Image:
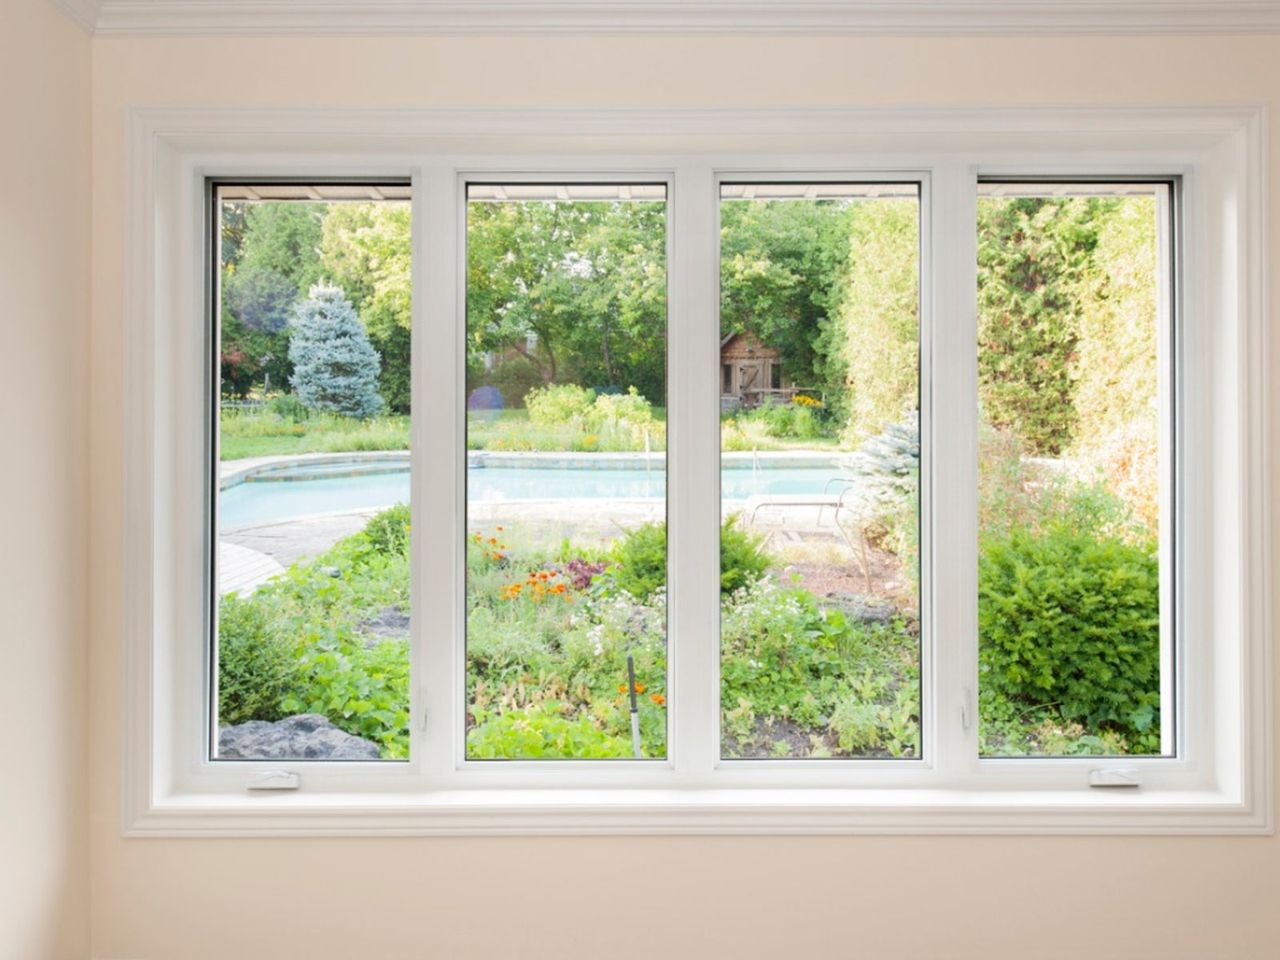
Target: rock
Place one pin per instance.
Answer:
(864, 608)
(307, 736)
(391, 622)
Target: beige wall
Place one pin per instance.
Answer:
(44, 329)
(635, 897)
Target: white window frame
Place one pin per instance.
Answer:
(1220, 781)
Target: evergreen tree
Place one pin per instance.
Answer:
(335, 368)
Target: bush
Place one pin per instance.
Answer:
(559, 403)
(256, 668)
(612, 409)
(287, 406)
(802, 419)
(335, 368)
(1071, 622)
(388, 531)
(640, 558)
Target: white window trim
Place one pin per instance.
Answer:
(1220, 783)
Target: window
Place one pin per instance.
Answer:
(311, 314)
(697, 491)
(819, 548)
(566, 568)
(1075, 389)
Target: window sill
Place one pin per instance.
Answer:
(726, 811)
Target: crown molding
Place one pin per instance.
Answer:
(84, 13)
(729, 17)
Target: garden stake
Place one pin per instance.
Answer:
(635, 714)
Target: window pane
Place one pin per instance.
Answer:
(820, 454)
(312, 314)
(1073, 341)
(566, 471)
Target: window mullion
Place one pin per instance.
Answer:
(693, 471)
(949, 447)
(437, 511)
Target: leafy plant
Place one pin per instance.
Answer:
(388, 531)
(1069, 624)
(640, 558)
(541, 730)
(256, 666)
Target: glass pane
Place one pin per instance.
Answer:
(566, 471)
(312, 314)
(1073, 354)
(820, 462)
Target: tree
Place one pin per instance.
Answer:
(270, 257)
(1034, 256)
(367, 249)
(783, 269)
(873, 346)
(576, 289)
(335, 367)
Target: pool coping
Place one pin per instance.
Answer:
(232, 473)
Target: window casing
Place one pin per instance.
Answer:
(1214, 783)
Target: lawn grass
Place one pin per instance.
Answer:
(264, 434)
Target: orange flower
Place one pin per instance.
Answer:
(499, 529)
(493, 541)
(658, 698)
(622, 688)
(639, 687)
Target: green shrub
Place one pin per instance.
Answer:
(1070, 621)
(640, 558)
(256, 668)
(362, 690)
(541, 730)
(288, 406)
(612, 409)
(388, 531)
(557, 404)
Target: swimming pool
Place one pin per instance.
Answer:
(255, 502)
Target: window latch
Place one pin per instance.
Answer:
(275, 780)
(1115, 777)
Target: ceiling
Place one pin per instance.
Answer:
(771, 17)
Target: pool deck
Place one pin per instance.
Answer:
(242, 570)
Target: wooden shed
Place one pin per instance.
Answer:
(750, 371)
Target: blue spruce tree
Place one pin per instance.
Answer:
(334, 366)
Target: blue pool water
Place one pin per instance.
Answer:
(264, 502)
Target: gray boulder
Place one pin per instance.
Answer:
(307, 736)
(864, 608)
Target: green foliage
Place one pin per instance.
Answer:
(639, 558)
(1069, 626)
(799, 419)
(362, 689)
(801, 678)
(298, 644)
(287, 406)
(245, 433)
(256, 667)
(871, 347)
(578, 289)
(1034, 256)
(334, 367)
(542, 731)
(558, 403)
(782, 277)
(367, 250)
(388, 531)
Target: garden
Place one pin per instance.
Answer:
(820, 627)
